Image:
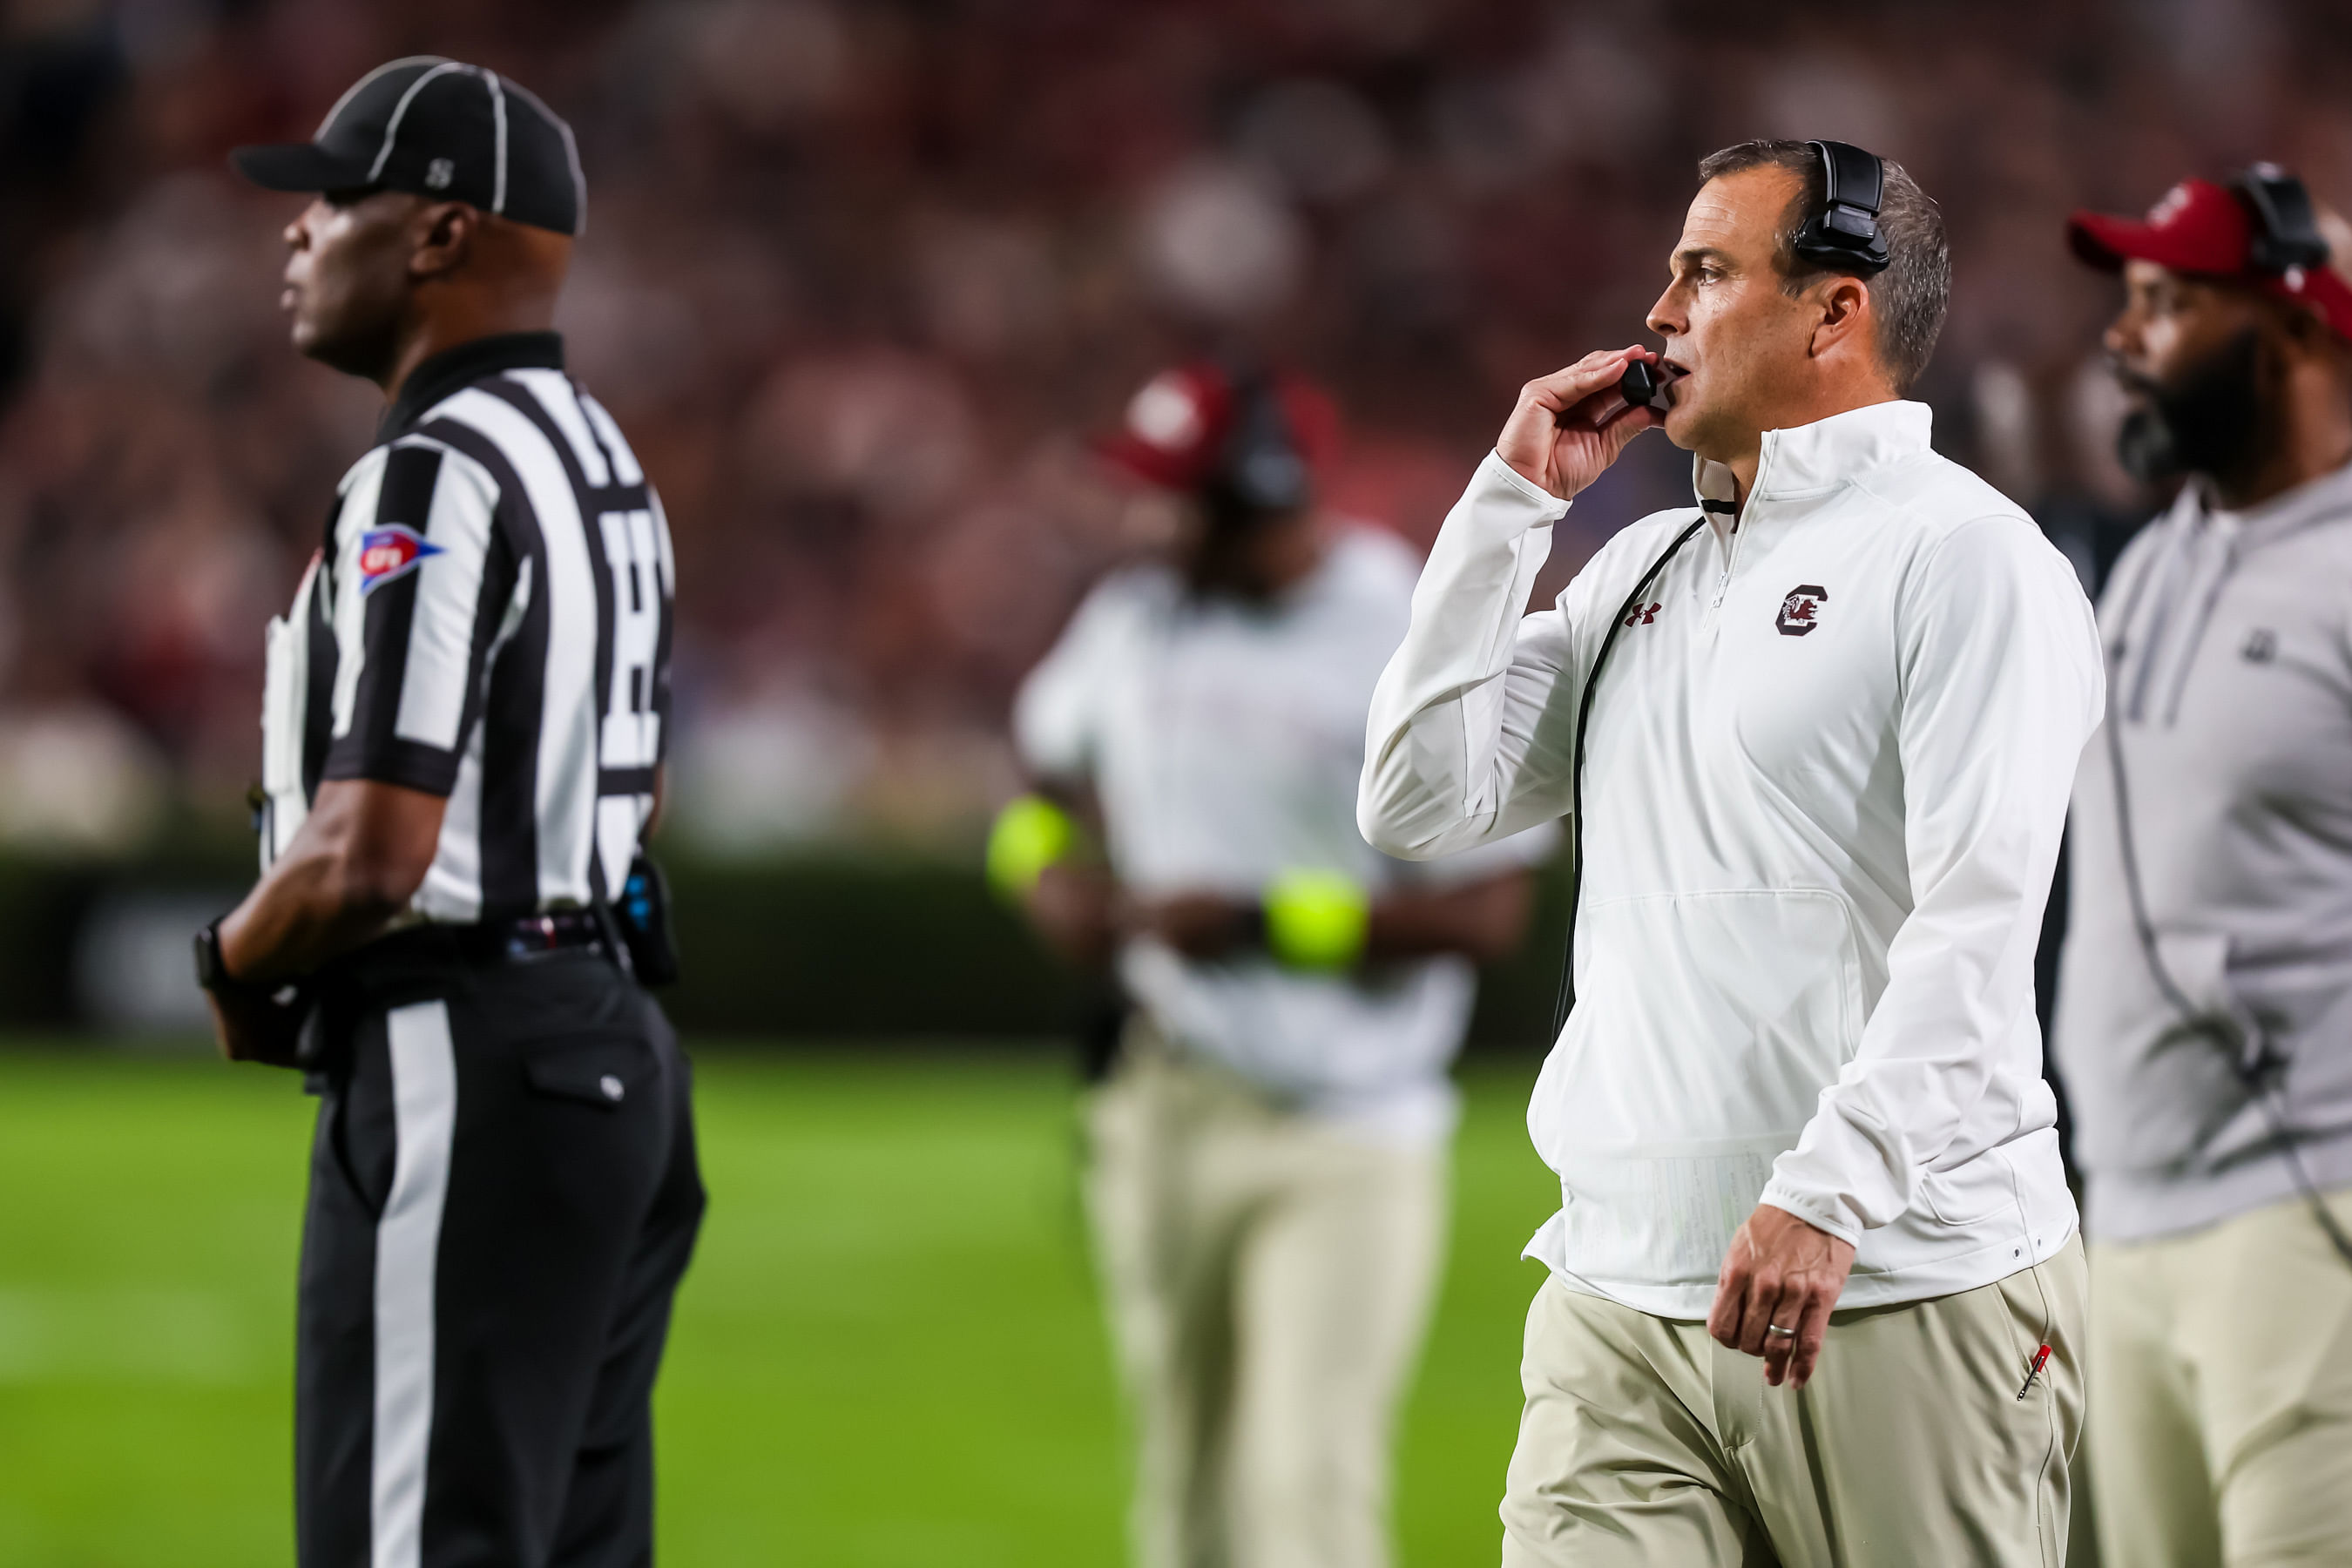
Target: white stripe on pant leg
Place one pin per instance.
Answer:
(407, 1245)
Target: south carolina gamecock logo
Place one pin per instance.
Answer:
(1800, 612)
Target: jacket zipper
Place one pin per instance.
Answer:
(1740, 522)
(2197, 629)
(1730, 565)
(2183, 607)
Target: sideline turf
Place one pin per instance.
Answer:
(887, 1355)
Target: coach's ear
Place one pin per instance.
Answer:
(445, 238)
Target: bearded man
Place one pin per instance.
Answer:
(2204, 1018)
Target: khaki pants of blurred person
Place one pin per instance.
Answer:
(1268, 1280)
(1644, 1444)
(2221, 1394)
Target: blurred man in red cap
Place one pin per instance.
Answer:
(1268, 1150)
(2204, 1022)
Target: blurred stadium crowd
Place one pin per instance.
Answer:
(860, 276)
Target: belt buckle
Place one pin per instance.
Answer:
(531, 937)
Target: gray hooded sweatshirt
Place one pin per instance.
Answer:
(2229, 637)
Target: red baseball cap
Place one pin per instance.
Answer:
(2203, 229)
(1180, 426)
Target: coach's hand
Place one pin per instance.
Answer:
(1779, 1272)
(1571, 424)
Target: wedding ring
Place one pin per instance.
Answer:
(1777, 1329)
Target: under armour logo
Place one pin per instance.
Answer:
(1800, 612)
(2262, 645)
(440, 173)
(1641, 617)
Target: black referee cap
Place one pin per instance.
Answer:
(438, 128)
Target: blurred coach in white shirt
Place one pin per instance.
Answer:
(1269, 1180)
(1824, 770)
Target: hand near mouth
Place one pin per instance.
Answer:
(1570, 426)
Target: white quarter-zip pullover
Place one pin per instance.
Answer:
(1826, 771)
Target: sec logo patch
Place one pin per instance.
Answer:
(389, 553)
(1801, 611)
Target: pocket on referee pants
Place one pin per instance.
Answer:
(609, 1073)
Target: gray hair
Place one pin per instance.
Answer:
(1910, 298)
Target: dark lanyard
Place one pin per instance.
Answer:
(1576, 772)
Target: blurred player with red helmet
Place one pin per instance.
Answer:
(1268, 1171)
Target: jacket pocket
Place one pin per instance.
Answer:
(1706, 1027)
(1973, 1192)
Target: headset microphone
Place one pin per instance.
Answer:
(1639, 383)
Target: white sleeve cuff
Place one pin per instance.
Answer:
(1549, 507)
(1809, 1208)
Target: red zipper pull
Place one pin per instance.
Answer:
(2041, 1360)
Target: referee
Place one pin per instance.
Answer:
(463, 733)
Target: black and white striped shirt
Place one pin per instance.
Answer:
(488, 620)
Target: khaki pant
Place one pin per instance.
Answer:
(2221, 1394)
(1645, 1444)
(1268, 1280)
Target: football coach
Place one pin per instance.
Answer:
(2204, 1020)
(1815, 737)
(463, 732)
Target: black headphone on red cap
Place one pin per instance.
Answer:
(1261, 467)
(2286, 231)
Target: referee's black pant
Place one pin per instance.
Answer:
(503, 1198)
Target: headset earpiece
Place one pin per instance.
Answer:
(1843, 235)
(2286, 231)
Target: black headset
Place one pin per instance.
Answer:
(2286, 232)
(1261, 468)
(1843, 235)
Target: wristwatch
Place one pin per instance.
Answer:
(212, 972)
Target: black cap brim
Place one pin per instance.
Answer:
(298, 166)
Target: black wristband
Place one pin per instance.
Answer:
(212, 969)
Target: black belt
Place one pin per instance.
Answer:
(415, 964)
(517, 940)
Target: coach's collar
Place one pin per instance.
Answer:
(452, 370)
(1811, 460)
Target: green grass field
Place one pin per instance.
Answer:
(888, 1351)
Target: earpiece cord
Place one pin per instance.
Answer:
(1567, 995)
(2259, 1072)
